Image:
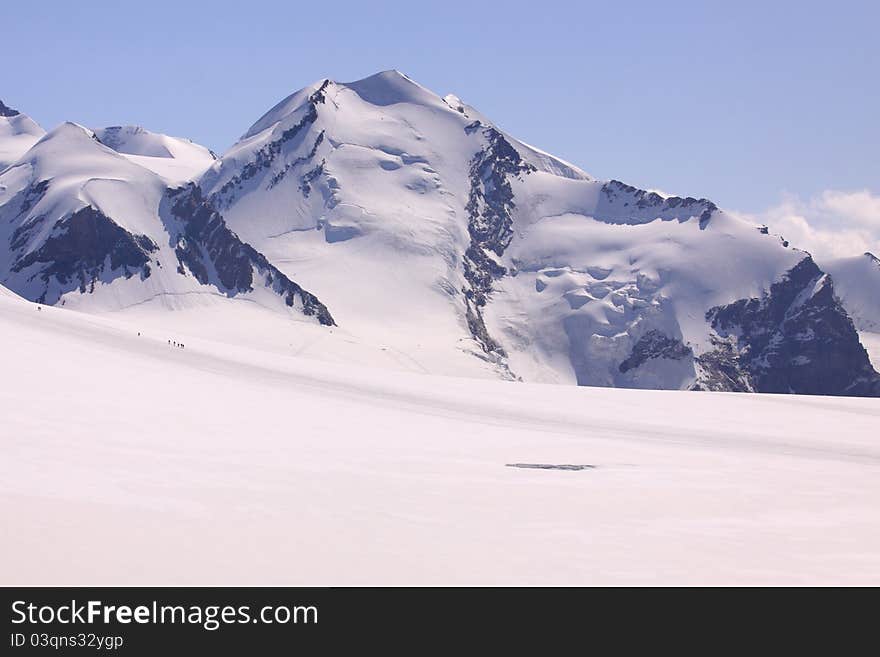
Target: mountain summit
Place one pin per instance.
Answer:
(18, 133)
(449, 246)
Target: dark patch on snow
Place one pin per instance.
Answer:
(654, 344)
(797, 338)
(551, 466)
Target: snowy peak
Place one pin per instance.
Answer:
(381, 90)
(392, 88)
(857, 283)
(435, 236)
(286, 107)
(68, 135)
(390, 198)
(175, 159)
(135, 140)
(18, 133)
(782, 342)
(86, 226)
(84, 170)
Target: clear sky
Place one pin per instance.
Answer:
(742, 102)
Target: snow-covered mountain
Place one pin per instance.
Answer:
(85, 226)
(18, 133)
(433, 235)
(175, 159)
(414, 215)
(857, 283)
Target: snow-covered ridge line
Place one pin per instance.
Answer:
(444, 243)
(18, 133)
(85, 224)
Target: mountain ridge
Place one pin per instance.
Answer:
(428, 230)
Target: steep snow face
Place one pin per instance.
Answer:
(83, 226)
(17, 134)
(439, 241)
(177, 160)
(359, 190)
(427, 227)
(857, 283)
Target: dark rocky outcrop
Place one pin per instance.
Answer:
(654, 344)
(210, 251)
(7, 111)
(309, 177)
(490, 225)
(622, 203)
(83, 248)
(26, 199)
(278, 177)
(264, 157)
(721, 369)
(795, 339)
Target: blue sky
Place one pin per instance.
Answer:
(750, 104)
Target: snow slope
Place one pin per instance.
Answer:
(428, 228)
(129, 461)
(85, 226)
(378, 228)
(857, 281)
(177, 160)
(18, 133)
(438, 242)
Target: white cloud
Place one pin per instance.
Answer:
(831, 224)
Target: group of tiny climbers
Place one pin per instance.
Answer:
(173, 343)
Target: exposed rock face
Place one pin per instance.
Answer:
(266, 155)
(622, 203)
(27, 198)
(309, 177)
(7, 111)
(796, 339)
(278, 177)
(654, 344)
(85, 247)
(205, 245)
(490, 225)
